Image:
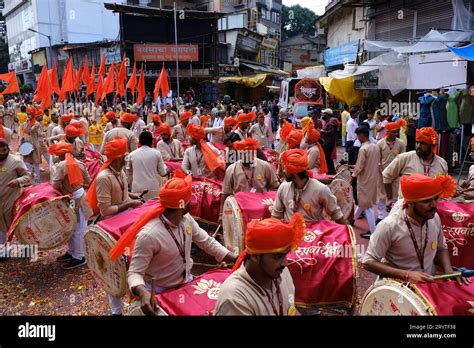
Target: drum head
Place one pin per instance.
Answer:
(48, 224)
(110, 275)
(345, 199)
(233, 225)
(390, 297)
(26, 148)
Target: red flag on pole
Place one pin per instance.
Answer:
(157, 88)
(44, 90)
(67, 82)
(53, 77)
(99, 91)
(132, 81)
(12, 87)
(91, 86)
(164, 86)
(78, 80)
(102, 68)
(85, 73)
(122, 75)
(141, 87)
(108, 86)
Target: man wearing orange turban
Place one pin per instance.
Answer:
(408, 241)
(123, 131)
(302, 194)
(249, 173)
(170, 117)
(261, 283)
(423, 161)
(201, 159)
(72, 133)
(316, 156)
(59, 131)
(218, 134)
(160, 241)
(390, 147)
(112, 121)
(243, 124)
(171, 149)
(70, 177)
(179, 131)
(33, 133)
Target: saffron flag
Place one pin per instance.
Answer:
(108, 86)
(164, 86)
(12, 87)
(132, 81)
(67, 84)
(85, 73)
(102, 67)
(141, 87)
(91, 86)
(53, 77)
(122, 75)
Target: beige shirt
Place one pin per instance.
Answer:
(241, 295)
(156, 255)
(314, 158)
(367, 173)
(59, 179)
(123, 133)
(170, 151)
(12, 168)
(8, 134)
(196, 120)
(193, 161)
(34, 136)
(171, 118)
(262, 134)
(387, 155)
(310, 202)
(144, 168)
(217, 134)
(179, 132)
(258, 178)
(109, 126)
(49, 133)
(408, 163)
(112, 188)
(392, 244)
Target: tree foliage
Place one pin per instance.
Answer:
(296, 20)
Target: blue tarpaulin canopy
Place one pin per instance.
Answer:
(466, 52)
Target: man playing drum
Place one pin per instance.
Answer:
(409, 243)
(171, 149)
(302, 194)
(58, 132)
(316, 157)
(109, 194)
(423, 161)
(126, 120)
(161, 241)
(13, 175)
(69, 177)
(72, 133)
(32, 133)
(219, 133)
(261, 283)
(243, 121)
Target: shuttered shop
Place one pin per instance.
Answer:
(437, 14)
(394, 25)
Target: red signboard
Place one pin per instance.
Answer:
(165, 53)
(308, 91)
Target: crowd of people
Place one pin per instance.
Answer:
(230, 142)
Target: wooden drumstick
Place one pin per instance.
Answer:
(217, 230)
(447, 276)
(153, 294)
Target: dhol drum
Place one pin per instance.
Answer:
(43, 216)
(238, 210)
(99, 239)
(26, 148)
(272, 157)
(93, 162)
(197, 297)
(345, 199)
(392, 297)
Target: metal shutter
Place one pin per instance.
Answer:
(389, 27)
(434, 14)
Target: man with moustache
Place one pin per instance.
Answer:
(219, 133)
(409, 243)
(171, 149)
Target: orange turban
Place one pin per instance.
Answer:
(307, 123)
(271, 236)
(67, 117)
(294, 161)
(73, 171)
(247, 144)
(400, 123)
(285, 130)
(230, 121)
(164, 129)
(156, 118)
(185, 116)
(294, 138)
(175, 193)
(110, 115)
(204, 119)
(313, 135)
(429, 136)
(114, 149)
(212, 159)
(74, 129)
(128, 117)
(417, 187)
(246, 117)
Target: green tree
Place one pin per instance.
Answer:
(296, 20)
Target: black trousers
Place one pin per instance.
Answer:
(328, 148)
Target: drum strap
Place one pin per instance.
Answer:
(280, 300)
(420, 254)
(180, 248)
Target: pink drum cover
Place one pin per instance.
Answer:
(457, 221)
(118, 224)
(255, 205)
(322, 177)
(30, 197)
(272, 157)
(173, 165)
(448, 297)
(92, 154)
(323, 266)
(198, 297)
(206, 199)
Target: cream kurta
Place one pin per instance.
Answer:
(387, 155)
(34, 136)
(12, 168)
(217, 134)
(179, 132)
(311, 200)
(193, 161)
(392, 244)
(57, 133)
(144, 168)
(170, 151)
(112, 188)
(123, 133)
(109, 126)
(314, 158)
(156, 255)
(367, 172)
(258, 178)
(241, 295)
(262, 134)
(171, 118)
(408, 163)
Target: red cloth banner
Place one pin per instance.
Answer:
(165, 53)
(206, 199)
(198, 297)
(448, 297)
(93, 161)
(255, 205)
(324, 265)
(272, 157)
(457, 221)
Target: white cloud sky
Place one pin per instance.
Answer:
(316, 6)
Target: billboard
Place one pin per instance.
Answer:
(165, 52)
